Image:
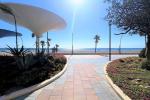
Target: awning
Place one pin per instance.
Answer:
(35, 19)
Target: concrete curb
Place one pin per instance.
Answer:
(34, 87)
(119, 92)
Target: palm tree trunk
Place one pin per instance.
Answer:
(95, 47)
(148, 47)
(42, 48)
(47, 44)
(36, 44)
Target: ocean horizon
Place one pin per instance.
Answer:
(86, 50)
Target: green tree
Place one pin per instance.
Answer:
(9, 11)
(133, 16)
(96, 38)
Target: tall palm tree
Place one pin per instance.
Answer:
(42, 44)
(97, 38)
(36, 49)
(9, 11)
(48, 43)
(56, 47)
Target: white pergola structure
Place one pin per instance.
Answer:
(8, 33)
(36, 19)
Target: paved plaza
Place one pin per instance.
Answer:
(84, 80)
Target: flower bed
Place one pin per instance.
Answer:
(13, 78)
(130, 77)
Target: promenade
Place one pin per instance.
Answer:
(83, 80)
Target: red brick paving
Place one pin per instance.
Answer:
(76, 87)
(78, 83)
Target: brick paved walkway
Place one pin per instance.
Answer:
(83, 80)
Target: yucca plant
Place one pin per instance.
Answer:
(24, 58)
(25, 61)
(18, 52)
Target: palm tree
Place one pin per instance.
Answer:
(48, 43)
(9, 11)
(42, 44)
(56, 47)
(36, 50)
(97, 38)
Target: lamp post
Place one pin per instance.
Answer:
(72, 44)
(109, 40)
(120, 41)
(76, 4)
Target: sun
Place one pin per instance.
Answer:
(77, 2)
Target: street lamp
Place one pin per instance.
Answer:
(76, 4)
(109, 40)
(72, 43)
(120, 41)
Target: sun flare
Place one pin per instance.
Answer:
(77, 2)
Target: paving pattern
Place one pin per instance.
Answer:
(83, 80)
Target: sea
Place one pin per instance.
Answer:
(87, 50)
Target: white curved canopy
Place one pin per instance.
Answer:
(7, 33)
(35, 19)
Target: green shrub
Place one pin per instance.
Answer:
(142, 53)
(146, 65)
(51, 58)
(32, 76)
(60, 59)
(27, 69)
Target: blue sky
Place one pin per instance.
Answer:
(89, 21)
